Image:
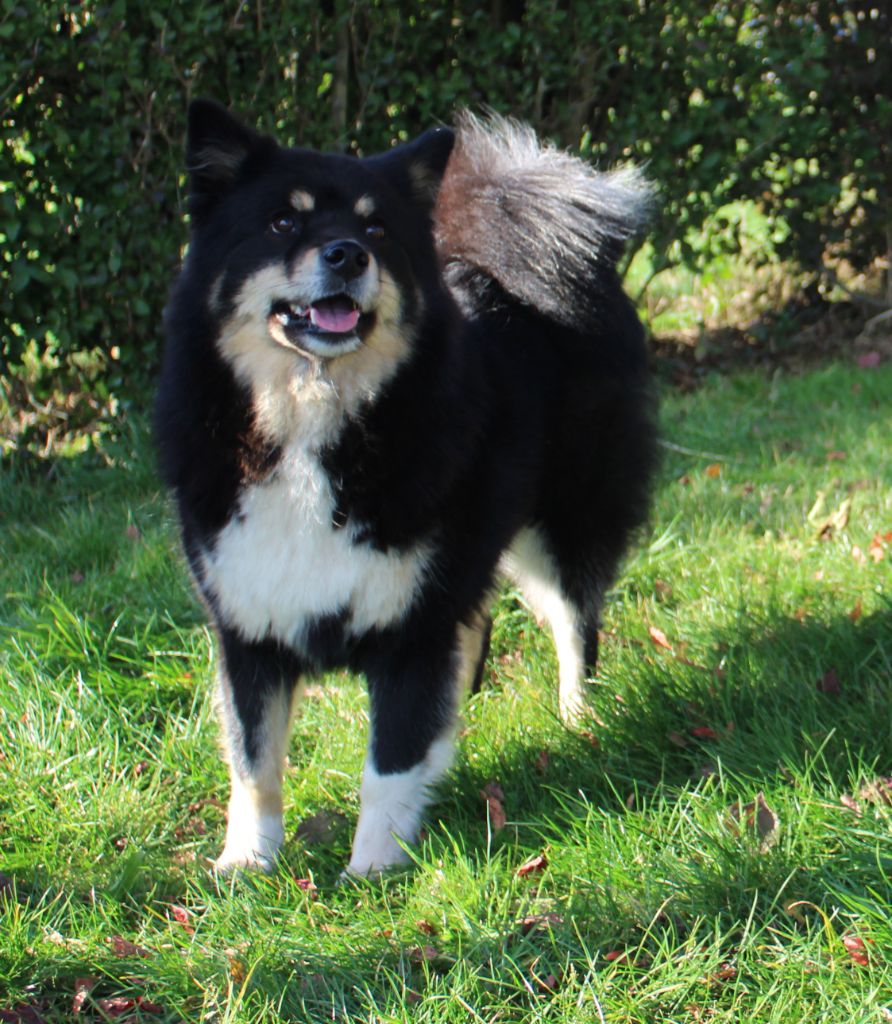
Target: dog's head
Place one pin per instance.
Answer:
(318, 255)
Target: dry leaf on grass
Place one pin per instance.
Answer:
(539, 922)
(659, 638)
(124, 947)
(117, 1006)
(182, 917)
(533, 866)
(756, 817)
(423, 954)
(857, 949)
(82, 989)
(829, 683)
(493, 795)
(22, 1013)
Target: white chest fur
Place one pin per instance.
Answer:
(281, 563)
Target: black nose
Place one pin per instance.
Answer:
(346, 258)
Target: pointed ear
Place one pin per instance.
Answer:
(217, 145)
(424, 161)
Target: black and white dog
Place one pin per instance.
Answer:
(387, 381)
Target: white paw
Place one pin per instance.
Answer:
(573, 708)
(232, 863)
(251, 845)
(371, 859)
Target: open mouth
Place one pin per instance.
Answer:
(336, 315)
(330, 326)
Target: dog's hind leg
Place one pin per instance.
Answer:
(412, 698)
(255, 693)
(574, 622)
(473, 647)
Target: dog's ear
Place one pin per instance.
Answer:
(424, 162)
(217, 146)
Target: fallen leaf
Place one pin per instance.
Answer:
(677, 739)
(855, 613)
(22, 1013)
(306, 885)
(759, 818)
(713, 470)
(532, 866)
(116, 1006)
(856, 949)
(237, 969)
(877, 791)
(82, 989)
(182, 917)
(869, 360)
(659, 637)
(539, 922)
(549, 983)
(132, 532)
(877, 549)
(851, 803)
(425, 927)
(726, 972)
(423, 954)
(829, 683)
(836, 521)
(704, 732)
(859, 555)
(836, 456)
(493, 795)
(124, 947)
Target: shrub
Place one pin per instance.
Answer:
(785, 103)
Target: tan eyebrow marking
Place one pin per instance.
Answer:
(302, 201)
(365, 206)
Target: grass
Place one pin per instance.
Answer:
(658, 899)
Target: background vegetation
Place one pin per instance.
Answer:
(784, 105)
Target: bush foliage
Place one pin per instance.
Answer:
(788, 104)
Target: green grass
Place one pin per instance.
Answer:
(652, 906)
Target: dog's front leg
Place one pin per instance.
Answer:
(255, 691)
(412, 702)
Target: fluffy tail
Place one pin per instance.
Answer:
(540, 222)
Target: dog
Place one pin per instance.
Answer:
(387, 382)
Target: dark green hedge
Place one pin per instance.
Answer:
(784, 102)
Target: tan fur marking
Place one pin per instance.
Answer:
(298, 394)
(302, 201)
(365, 206)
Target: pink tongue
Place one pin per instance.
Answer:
(337, 317)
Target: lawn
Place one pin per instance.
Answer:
(714, 846)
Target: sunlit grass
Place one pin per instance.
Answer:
(653, 903)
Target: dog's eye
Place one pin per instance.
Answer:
(283, 224)
(375, 230)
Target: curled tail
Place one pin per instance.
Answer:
(541, 223)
